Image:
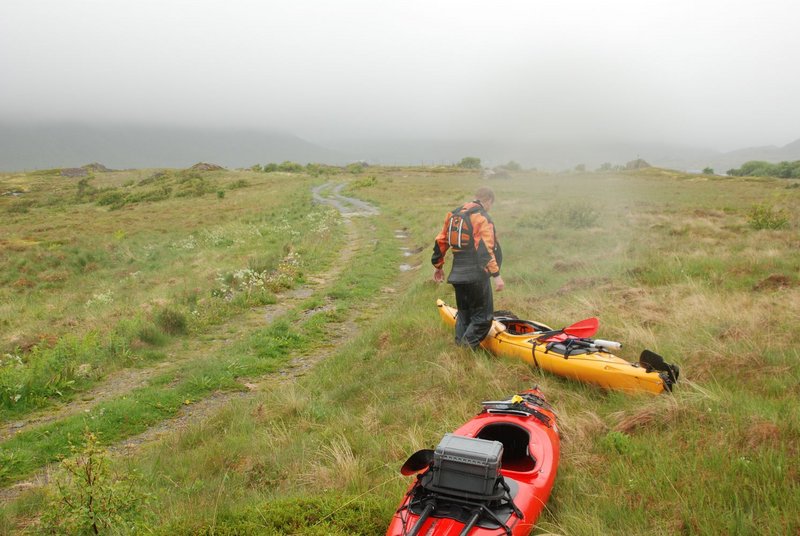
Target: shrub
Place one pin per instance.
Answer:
(708, 171)
(289, 167)
(470, 162)
(355, 168)
(759, 168)
(171, 321)
(155, 177)
(111, 197)
(580, 216)
(85, 190)
(90, 499)
(764, 216)
(158, 194)
(315, 170)
(364, 183)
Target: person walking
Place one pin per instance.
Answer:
(469, 232)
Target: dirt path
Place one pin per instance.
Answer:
(330, 194)
(128, 380)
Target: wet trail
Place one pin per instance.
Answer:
(127, 380)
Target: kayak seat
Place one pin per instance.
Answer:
(515, 440)
(515, 326)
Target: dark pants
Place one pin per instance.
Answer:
(475, 312)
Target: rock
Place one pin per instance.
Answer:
(96, 167)
(204, 166)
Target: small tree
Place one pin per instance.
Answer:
(90, 498)
(470, 162)
(708, 171)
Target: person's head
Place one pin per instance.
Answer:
(485, 195)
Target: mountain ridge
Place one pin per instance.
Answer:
(51, 145)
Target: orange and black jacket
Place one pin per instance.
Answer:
(469, 232)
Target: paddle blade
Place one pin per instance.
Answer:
(583, 329)
(417, 462)
(652, 361)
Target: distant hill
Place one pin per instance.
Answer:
(560, 155)
(72, 145)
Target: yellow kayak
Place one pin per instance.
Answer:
(584, 360)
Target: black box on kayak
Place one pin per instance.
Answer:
(467, 465)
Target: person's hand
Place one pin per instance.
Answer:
(499, 284)
(438, 275)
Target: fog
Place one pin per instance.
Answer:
(720, 74)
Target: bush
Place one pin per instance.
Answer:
(470, 162)
(364, 183)
(356, 168)
(158, 194)
(85, 190)
(759, 168)
(90, 499)
(111, 197)
(764, 216)
(171, 321)
(708, 171)
(289, 167)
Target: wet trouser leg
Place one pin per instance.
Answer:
(475, 312)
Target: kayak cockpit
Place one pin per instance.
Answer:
(516, 326)
(515, 440)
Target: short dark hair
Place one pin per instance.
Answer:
(484, 193)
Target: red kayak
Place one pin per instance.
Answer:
(492, 476)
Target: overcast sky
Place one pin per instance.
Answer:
(719, 73)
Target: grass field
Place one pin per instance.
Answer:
(135, 298)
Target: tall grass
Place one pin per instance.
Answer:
(176, 271)
(670, 264)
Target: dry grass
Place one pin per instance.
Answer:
(662, 412)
